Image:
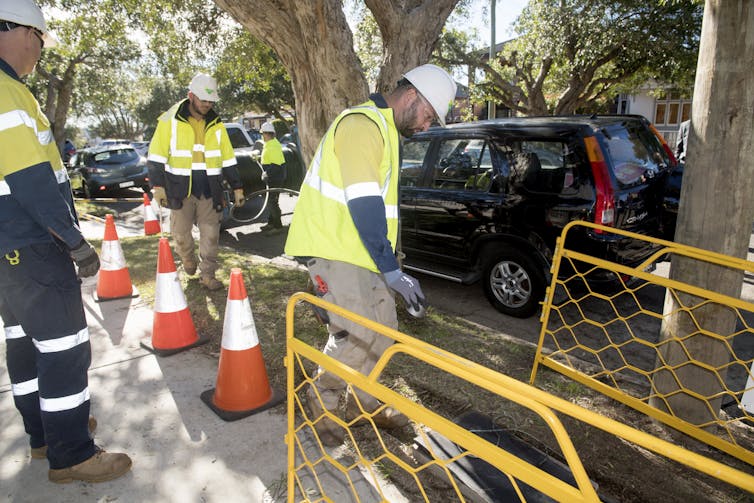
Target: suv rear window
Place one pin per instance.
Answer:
(634, 152)
(117, 156)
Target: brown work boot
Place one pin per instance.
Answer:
(387, 417)
(101, 467)
(211, 283)
(329, 432)
(41, 452)
(189, 267)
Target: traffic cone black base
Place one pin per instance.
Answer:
(229, 415)
(134, 294)
(203, 339)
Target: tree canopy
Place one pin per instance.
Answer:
(575, 55)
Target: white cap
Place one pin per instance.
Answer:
(203, 86)
(437, 87)
(27, 13)
(267, 127)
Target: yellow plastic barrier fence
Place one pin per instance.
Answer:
(614, 336)
(317, 473)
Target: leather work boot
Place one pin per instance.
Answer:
(41, 452)
(328, 431)
(101, 467)
(211, 283)
(388, 417)
(189, 267)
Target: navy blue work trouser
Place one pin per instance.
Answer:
(48, 351)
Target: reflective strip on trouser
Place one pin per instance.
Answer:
(363, 292)
(202, 213)
(21, 362)
(55, 350)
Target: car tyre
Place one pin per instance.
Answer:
(86, 190)
(513, 282)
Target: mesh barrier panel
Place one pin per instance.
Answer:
(362, 468)
(677, 352)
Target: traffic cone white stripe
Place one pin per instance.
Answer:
(171, 298)
(239, 329)
(151, 215)
(112, 258)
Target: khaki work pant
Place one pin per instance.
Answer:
(363, 292)
(202, 213)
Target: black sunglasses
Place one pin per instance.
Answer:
(9, 25)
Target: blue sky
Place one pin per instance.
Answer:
(506, 12)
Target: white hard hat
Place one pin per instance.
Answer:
(203, 86)
(27, 13)
(267, 127)
(437, 87)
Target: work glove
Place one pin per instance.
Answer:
(264, 176)
(86, 259)
(238, 197)
(160, 196)
(409, 289)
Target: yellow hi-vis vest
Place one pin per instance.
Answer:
(173, 145)
(322, 225)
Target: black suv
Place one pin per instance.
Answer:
(487, 200)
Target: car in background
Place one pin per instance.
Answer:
(69, 150)
(141, 147)
(113, 141)
(247, 152)
(486, 201)
(106, 169)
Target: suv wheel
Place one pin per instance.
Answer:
(513, 282)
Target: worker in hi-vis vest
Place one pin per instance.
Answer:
(345, 228)
(41, 246)
(189, 157)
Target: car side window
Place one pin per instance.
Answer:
(412, 161)
(463, 164)
(543, 167)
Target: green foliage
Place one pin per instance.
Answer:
(251, 77)
(281, 127)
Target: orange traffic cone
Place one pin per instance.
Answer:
(173, 329)
(242, 386)
(113, 281)
(151, 224)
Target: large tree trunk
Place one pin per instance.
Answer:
(313, 41)
(716, 209)
(410, 29)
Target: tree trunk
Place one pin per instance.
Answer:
(410, 30)
(716, 209)
(63, 104)
(313, 41)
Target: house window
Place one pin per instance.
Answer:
(660, 109)
(672, 109)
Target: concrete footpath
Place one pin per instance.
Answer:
(149, 407)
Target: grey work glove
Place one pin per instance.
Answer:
(409, 289)
(86, 259)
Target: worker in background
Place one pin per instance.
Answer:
(189, 157)
(48, 350)
(273, 163)
(345, 226)
(682, 141)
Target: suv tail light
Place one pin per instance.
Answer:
(664, 144)
(604, 210)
